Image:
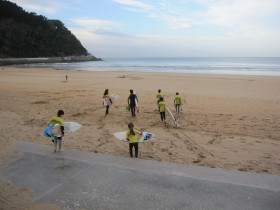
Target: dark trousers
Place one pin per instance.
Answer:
(107, 109)
(162, 115)
(135, 145)
(132, 108)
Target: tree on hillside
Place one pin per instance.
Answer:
(24, 34)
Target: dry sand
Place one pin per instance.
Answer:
(229, 121)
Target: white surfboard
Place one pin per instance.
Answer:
(114, 98)
(145, 137)
(183, 101)
(136, 106)
(171, 115)
(71, 127)
(55, 131)
(136, 103)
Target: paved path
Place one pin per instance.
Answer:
(74, 180)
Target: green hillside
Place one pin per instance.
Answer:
(24, 34)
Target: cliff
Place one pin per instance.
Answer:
(28, 35)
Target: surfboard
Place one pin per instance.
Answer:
(173, 118)
(136, 103)
(183, 101)
(55, 131)
(114, 98)
(136, 106)
(145, 137)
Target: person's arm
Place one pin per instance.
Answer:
(138, 132)
(62, 130)
(50, 122)
(127, 136)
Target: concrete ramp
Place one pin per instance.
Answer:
(76, 180)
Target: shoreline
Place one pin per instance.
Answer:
(123, 72)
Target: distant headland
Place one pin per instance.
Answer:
(30, 38)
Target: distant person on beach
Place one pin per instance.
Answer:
(162, 105)
(58, 120)
(132, 102)
(177, 102)
(106, 95)
(131, 136)
(159, 95)
(66, 77)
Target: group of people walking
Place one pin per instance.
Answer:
(132, 100)
(131, 134)
(162, 105)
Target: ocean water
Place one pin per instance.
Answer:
(212, 65)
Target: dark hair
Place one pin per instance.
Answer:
(177, 93)
(60, 112)
(106, 92)
(131, 91)
(161, 99)
(159, 90)
(130, 126)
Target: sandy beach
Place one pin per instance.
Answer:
(229, 121)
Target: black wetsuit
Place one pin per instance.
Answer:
(131, 101)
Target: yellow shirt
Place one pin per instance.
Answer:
(161, 106)
(178, 99)
(106, 96)
(132, 138)
(159, 95)
(56, 120)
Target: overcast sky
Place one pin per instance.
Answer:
(168, 28)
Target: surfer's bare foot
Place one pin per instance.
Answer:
(54, 150)
(61, 150)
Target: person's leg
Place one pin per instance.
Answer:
(161, 116)
(132, 107)
(163, 113)
(130, 149)
(55, 144)
(136, 149)
(178, 108)
(107, 109)
(60, 143)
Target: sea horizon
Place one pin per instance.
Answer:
(269, 66)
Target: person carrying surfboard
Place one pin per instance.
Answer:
(106, 95)
(162, 105)
(177, 102)
(159, 95)
(58, 120)
(132, 99)
(131, 136)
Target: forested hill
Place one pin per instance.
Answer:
(26, 35)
